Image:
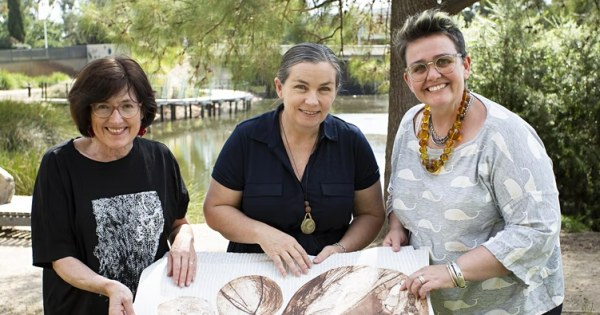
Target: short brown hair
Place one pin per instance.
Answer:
(427, 23)
(104, 78)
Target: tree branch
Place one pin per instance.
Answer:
(318, 6)
(455, 6)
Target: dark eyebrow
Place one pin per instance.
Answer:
(434, 57)
(322, 84)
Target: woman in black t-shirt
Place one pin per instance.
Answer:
(105, 204)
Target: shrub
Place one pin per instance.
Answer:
(26, 132)
(546, 70)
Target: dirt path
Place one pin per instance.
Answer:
(21, 293)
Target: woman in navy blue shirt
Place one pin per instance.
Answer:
(297, 181)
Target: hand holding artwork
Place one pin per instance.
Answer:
(397, 236)
(120, 299)
(181, 264)
(281, 247)
(428, 279)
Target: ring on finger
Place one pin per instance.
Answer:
(191, 263)
(422, 279)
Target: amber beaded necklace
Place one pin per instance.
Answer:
(433, 165)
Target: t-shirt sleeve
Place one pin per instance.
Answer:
(229, 168)
(525, 190)
(52, 230)
(366, 168)
(181, 192)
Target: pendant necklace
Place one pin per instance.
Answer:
(308, 224)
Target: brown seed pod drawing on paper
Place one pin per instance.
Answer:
(356, 290)
(186, 305)
(255, 295)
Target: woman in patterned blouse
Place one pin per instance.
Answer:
(482, 198)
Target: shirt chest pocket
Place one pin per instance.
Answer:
(338, 190)
(263, 189)
(338, 199)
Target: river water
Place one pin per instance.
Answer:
(196, 142)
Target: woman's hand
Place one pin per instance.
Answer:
(433, 278)
(397, 236)
(326, 252)
(281, 247)
(181, 264)
(120, 299)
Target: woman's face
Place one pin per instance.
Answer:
(437, 90)
(116, 132)
(307, 94)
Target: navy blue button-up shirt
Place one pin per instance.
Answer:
(254, 160)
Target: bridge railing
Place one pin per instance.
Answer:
(72, 52)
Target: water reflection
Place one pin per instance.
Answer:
(196, 143)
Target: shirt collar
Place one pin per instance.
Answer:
(267, 128)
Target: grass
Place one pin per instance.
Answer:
(26, 132)
(12, 81)
(195, 212)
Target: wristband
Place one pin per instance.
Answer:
(340, 245)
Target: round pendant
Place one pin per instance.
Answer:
(308, 224)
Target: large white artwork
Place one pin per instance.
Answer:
(365, 282)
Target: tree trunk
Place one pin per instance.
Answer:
(400, 97)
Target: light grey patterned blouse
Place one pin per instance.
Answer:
(497, 190)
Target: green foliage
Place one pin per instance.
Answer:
(366, 71)
(575, 224)
(15, 20)
(241, 36)
(23, 166)
(26, 132)
(544, 67)
(28, 126)
(12, 81)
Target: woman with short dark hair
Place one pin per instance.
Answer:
(471, 182)
(105, 204)
(297, 181)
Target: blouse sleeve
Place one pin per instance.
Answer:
(524, 188)
(229, 168)
(394, 161)
(52, 222)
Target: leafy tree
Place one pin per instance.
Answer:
(15, 20)
(552, 81)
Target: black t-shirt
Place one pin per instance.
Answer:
(114, 217)
(254, 161)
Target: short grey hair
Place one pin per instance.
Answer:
(309, 52)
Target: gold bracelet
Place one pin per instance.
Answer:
(340, 245)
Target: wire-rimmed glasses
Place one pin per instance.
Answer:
(126, 110)
(443, 64)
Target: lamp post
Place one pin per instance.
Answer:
(44, 9)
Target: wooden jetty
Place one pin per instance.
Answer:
(209, 105)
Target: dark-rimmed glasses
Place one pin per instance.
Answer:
(443, 64)
(126, 110)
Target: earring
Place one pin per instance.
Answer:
(142, 131)
(91, 132)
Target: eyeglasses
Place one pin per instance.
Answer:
(126, 110)
(443, 64)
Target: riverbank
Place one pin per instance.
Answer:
(21, 291)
